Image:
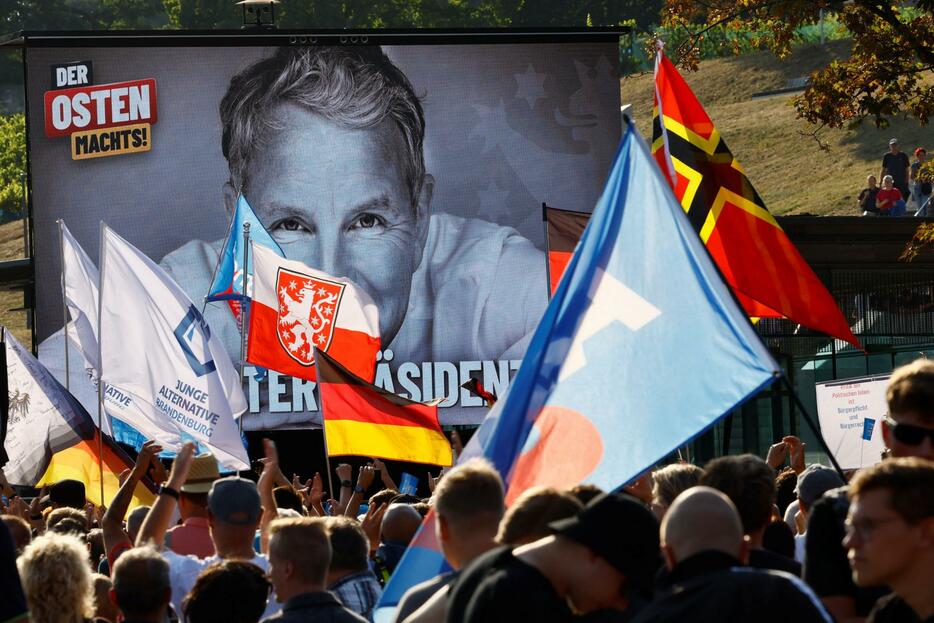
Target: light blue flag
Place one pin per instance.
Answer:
(641, 349)
(227, 284)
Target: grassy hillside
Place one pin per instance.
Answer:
(11, 247)
(789, 171)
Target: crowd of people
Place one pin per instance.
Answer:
(904, 184)
(740, 539)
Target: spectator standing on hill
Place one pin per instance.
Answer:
(896, 163)
(889, 200)
(920, 190)
(890, 537)
(867, 197)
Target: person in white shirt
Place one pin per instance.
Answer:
(234, 512)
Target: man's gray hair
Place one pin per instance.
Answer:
(141, 581)
(352, 87)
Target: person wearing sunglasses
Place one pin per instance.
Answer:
(908, 431)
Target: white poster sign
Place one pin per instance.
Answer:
(850, 412)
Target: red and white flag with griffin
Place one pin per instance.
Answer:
(297, 309)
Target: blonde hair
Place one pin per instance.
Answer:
(305, 543)
(672, 480)
(56, 579)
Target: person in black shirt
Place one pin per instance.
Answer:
(704, 549)
(299, 556)
(890, 537)
(750, 484)
(601, 558)
(13, 604)
(867, 197)
(896, 164)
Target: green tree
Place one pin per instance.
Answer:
(888, 72)
(12, 163)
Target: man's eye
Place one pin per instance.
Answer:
(367, 221)
(289, 224)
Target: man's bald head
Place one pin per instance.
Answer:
(400, 523)
(701, 519)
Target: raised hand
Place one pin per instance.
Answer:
(456, 444)
(181, 465)
(777, 454)
(796, 449)
(316, 490)
(267, 481)
(365, 476)
(344, 472)
(433, 482)
(145, 459)
(372, 522)
(336, 507)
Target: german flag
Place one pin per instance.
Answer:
(81, 462)
(563, 229)
(362, 419)
(760, 263)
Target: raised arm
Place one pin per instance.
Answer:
(112, 521)
(157, 520)
(384, 475)
(267, 481)
(364, 480)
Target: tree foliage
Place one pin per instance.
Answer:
(12, 163)
(888, 73)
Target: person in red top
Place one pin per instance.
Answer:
(193, 536)
(888, 197)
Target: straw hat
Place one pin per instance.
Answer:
(202, 474)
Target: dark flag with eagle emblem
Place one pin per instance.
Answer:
(758, 261)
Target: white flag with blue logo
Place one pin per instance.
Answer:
(157, 350)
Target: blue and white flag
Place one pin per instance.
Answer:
(227, 284)
(157, 350)
(641, 349)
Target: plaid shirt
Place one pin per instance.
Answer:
(358, 592)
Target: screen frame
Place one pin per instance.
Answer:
(21, 273)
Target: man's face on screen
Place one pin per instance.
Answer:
(336, 199)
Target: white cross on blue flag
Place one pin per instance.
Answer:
(641, 349)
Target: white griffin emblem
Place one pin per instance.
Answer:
(307, 310)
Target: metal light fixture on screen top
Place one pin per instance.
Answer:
(259, 13)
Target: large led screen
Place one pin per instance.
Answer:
(419, 171)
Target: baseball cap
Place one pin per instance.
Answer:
(202, 474)
(235, 501)
(816, 480)
(893, 141)
(619, 529)
(66, 493)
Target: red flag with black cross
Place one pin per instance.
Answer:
(758, 261)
